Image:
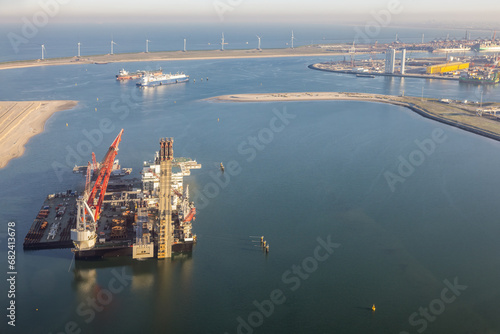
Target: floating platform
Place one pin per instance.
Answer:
(52, 226)
(108, 250)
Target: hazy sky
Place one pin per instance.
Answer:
(314, 11)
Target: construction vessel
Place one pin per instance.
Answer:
(117, 169)
(149, 219)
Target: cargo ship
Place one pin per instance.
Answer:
(486, 47)
(447, 50)
(480, 78)
(125, 75)
(162, 79)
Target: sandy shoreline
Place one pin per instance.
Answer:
(458, 115)
(173, 55)
(21, 120)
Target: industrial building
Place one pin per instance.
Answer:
(403, 61)
(448, 67)
(390, 61)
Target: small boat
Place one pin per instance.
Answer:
(221, 167)
(365, 75)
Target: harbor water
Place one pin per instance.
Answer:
(361, 203)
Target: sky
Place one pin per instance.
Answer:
(443, 12)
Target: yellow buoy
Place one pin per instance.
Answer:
(75, 84)
(217, 119)
(373, 307)
(97, 99)
(95, 109)
(175, 101)
(66, 124)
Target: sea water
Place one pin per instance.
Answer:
(311, 177)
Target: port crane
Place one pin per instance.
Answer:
(89, 206)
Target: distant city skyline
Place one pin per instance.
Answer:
(234, 11)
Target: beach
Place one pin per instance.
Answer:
(462, 116)
(21, 120)
(174, 55)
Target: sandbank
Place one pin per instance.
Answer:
(483, 121)
(21, 120)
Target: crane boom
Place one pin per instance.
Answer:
(104, 174)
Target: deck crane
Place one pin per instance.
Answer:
(89, 206)
(95, 166)
(87, 178)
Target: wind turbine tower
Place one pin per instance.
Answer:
(112, 43)
(258, 47)
(222, 42)
(147, 45)
(78, 49)
(184, 45)
(43, 51)
(292, 39)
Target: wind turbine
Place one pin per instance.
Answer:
(258, 47)
(184, 45)
(43, 50)
(292, 39)
(78, 49)
(112, 43)
(222, 42)
(147, 45)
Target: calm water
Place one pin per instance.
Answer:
(322, 175)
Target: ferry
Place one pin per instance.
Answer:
(163, 79)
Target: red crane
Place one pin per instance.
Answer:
(191, 215)
(101, 183)
(94, 163)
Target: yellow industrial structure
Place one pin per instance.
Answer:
(448, 67)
